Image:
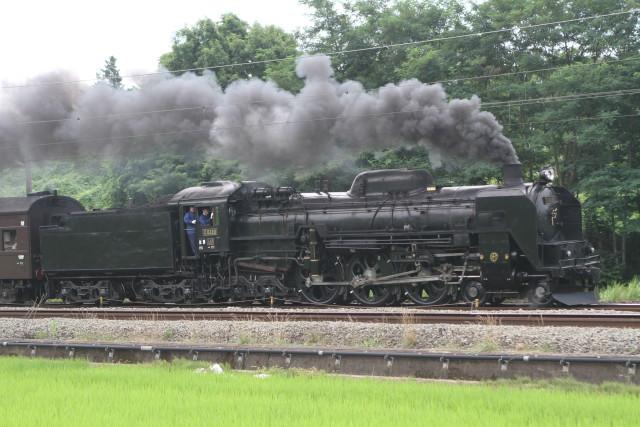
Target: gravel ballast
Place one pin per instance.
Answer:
(431, 337)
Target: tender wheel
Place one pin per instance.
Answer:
(369, 267)
(472, 291)
(316, 294)
(80, 291)
(9, 292)
(540, 295)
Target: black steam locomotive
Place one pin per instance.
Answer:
(394, 236)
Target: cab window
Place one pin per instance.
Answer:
(205, 216)
(9, 242)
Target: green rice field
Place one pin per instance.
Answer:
(38, 392)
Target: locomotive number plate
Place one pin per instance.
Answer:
(211, 231)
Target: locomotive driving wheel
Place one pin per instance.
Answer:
(319, 294)
(370, 267)
(426, 293)
(430, 293)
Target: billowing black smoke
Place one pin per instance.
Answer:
(263, 125)
(65, 121)
(254, 122)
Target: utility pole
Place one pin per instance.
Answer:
(27, 175)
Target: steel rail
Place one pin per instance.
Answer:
(570, 318)
(394, 363)
(304, 305)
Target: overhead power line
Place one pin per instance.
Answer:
(204, 107)
(592, 118)
(285, 122)
(536, 70)
(495, 104)
(339, 52)
(106, 116)
(575, 119)
(561, 98)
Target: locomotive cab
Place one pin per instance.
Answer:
(212, 237)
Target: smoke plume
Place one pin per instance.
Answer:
(45, 120)
(252, 121)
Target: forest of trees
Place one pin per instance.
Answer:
(564, 94)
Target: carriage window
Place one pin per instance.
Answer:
(9, 242)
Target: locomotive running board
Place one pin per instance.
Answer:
(575, 298)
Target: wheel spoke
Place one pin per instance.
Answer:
(429, 293)
(372, 295)
(319, 294)
(367, 267)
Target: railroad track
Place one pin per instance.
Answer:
(537, 318)
(302, 306)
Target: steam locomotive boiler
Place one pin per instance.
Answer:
(393, 236)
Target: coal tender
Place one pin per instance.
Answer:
(393, 237)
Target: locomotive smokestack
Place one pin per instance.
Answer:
(512, 175)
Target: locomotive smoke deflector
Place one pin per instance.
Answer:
(512, 175)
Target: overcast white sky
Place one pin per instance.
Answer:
(78, 35)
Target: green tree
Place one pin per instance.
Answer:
(110, 73)
(210, 45)
(361, 24)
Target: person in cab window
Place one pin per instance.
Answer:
(205, 218)
(190, 227)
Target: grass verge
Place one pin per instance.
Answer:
(77, 393)
(621, 292)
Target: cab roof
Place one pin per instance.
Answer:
(206, 191)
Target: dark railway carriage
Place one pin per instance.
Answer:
(21, 275)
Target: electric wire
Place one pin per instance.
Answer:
(205, 107)
(575, 119)
(562, 98)
(340, 52)
(195, 131)
(105, 116)
(64, 157)
(509, 103)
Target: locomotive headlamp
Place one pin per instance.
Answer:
(547, 174)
